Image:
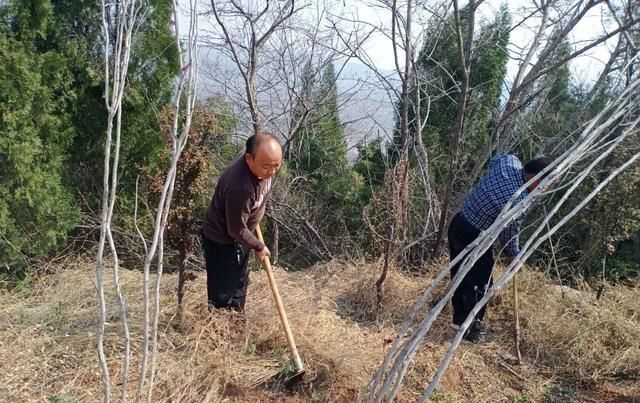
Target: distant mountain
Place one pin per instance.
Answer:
(366, 107)
(368, 113)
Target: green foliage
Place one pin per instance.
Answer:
(319, 149)
(319, 154)
(603, 238)
(27, 19)
(152, 70)
(488, 72)
(203, 154)
(611, 223)
(524, 398)
(551, 114)
(251, 349)
(440, 72)
(57, 316)
(442, 397)
(66, 34)
(625, 261)
(280, 351)
(36, 210)
(53, 116)
(371, 165)
(63, 398)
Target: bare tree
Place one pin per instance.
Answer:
(183, 104)
(601, 136)
(464, 53)
(399, 182)
(557, 21)
(245, 29)
(119, 21)
(391, 208)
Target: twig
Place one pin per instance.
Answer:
(508, 368)
(516, 314)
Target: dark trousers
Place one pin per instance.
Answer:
(227, 274)
(473, 286)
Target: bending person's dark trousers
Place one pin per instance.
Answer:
(473, 286)
(227, 274)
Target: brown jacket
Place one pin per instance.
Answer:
(237, 206)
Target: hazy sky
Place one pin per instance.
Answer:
(380, 51)
(587, 66)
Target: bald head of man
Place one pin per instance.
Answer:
(263, 155)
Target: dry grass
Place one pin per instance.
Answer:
(580, 336)
(47, 338)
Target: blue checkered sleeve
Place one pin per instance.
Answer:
(495, 189)
(509, 236)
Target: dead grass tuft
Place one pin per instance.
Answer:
(47, 335)
(583, 337)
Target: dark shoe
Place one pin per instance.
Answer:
(482, 328)
(473, 335)
(475, 332)
(457, 322)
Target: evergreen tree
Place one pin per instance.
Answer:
(553, 114)
(325, 155)
(36, 210)
(319, 150)
(371, 165)
(440, 73)
(53, 115)
(150, 83)
(332, 190)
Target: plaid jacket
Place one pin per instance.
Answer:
(495, 189)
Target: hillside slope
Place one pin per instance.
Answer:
(576, 349)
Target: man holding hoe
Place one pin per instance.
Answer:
(479, 210)
(236, 209)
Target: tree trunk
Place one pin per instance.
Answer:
(182, 260)
(385, 268)
(516, 315)
(275, 239)
(464, 50)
